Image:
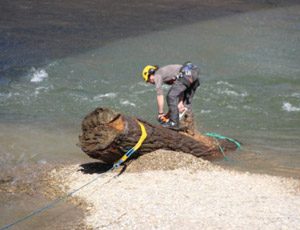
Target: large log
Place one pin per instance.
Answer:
(107, 135)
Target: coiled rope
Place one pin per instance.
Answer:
(60, 199)
(218, 136)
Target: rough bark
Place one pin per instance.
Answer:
(107, 135)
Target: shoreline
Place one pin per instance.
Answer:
(27, 189)
(167, 189)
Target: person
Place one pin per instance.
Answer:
(184, 81)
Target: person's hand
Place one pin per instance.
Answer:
(160, 115)
(161, 118)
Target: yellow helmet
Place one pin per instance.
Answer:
(148, 70)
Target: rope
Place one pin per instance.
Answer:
(58, 200)
(218, 136)
(133, 149)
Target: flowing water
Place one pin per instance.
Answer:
(250, 88)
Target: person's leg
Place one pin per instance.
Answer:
(188, 117)
(173, 97)
(189, 93)
(181, 106)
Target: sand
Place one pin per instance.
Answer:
(169, 190)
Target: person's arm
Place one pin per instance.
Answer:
(160, 94)
(160, 104)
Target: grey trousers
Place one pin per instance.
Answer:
(181, 88)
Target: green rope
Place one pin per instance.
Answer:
(218, 136)
(221, 149)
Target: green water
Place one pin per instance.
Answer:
(250, 89)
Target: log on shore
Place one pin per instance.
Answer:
(107, 135)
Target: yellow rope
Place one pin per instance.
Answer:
(142, 138)
(133, 149)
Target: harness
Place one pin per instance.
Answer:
(185, 75)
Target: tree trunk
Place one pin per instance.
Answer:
(107, 135)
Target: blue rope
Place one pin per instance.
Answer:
(127, 154)
(116, 165)
(52, 204)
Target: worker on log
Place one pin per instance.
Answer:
(184, 81)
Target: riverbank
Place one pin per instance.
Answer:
(169, 190)
(27, 189)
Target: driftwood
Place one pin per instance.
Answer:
(107, 135)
